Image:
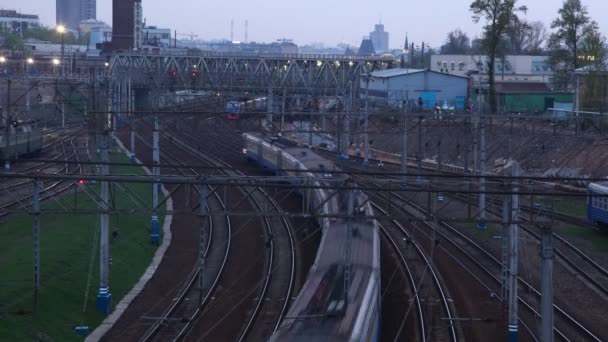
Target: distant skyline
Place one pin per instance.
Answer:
(312, 21)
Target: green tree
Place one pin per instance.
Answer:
(572, 24)
(498, 14)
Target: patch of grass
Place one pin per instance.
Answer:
(67, 244)
(488, 234)
(570, 206)
(597, 239)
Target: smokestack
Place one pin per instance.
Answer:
(232, 30)
(246, 31)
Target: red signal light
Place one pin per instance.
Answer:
(174, 73)
(38, 170)
(81, 182)
(194, 74)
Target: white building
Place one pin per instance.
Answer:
(99, 35)
(154, 36)
(515, 68)
(17, 23)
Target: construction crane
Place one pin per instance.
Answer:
(191, 35)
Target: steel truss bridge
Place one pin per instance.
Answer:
(332, 75)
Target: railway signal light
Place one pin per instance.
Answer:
(81, 182)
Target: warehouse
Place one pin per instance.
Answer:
(394, 86)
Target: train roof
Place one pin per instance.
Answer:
(322, 312)
(600, 188)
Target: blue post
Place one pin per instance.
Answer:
(132, 157)
(155, 230)
(104, 300)
(512, 332)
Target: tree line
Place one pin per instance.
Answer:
(574, 43)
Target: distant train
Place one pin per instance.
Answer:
(597, 204)
(234, 109)
(328, 307)
(24, 138)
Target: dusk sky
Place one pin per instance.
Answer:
(330, 22)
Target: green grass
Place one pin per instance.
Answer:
(570, 206)
(489, 233)
(597, 239)
(66, 243)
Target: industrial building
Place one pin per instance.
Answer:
(71, 12)
(394, 86)
(526, 97)
(17, 23)
(127, 24)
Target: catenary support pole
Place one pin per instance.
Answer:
(404, 146)
(514, 258)
(482, 173)
(202, 243)
(366, 124)
(155, 224)
(36, 211)
(7, 122)
(130, 110)
(506, 218)
(546, 304)
(104, 297)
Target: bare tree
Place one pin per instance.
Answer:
(457, 43)
(537, 35)
(499, 15)
(572, 25)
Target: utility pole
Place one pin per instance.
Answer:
(366, 124)
(514, 257)
(482, 174)
(130, 111)
(202, 244)
(270, 106)
(420, 150)
(155, 225)
(404, 147)
(547, 284)
(7, 133)
(104, 297)
(36, 212)
(506, 218)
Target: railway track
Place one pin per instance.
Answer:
(568, 322)
(428, 283)
(269, 286)
(18, 192)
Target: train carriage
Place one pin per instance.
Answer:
(24, 138)
(329, 307)
(597, 203)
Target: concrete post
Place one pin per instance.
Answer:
(514, 259)
(270, 106)
(155, 224)
(104, 297)
(404, 147)
(366, 124)
(506, 217)
(482, 173)
(202, 244)
(546, 304)
(36, 211)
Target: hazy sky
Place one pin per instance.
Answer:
(307, 21)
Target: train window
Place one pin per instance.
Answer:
(595, 203)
